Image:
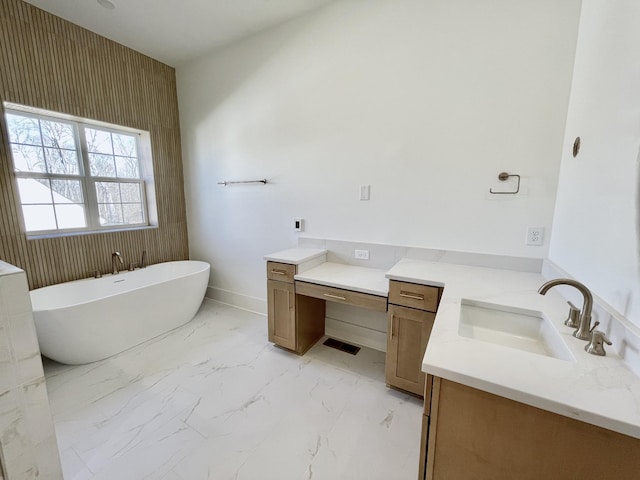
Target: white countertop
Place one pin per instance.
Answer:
(295, 256)
(349, 277)
(598, 390)
(8, 269)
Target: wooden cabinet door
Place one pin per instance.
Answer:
(407, 337)
(476, 435)
(281, 301)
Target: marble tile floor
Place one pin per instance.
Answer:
(214, 400)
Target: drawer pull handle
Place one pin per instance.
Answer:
(337, 297)
(279, 272)
(412, 296)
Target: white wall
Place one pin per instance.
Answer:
(425, 101)
(595, 229)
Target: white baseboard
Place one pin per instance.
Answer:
(348, 332)
(238, 300)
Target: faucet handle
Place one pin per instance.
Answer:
(573, 320)
(95, 273)
(596, 344)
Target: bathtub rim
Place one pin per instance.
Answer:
(110, 275)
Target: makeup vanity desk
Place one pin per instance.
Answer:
(300, 281)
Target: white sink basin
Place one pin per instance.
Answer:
(519, 328)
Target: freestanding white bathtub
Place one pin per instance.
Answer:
(88, 320)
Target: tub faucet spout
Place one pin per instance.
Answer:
(582, 332)
(115, 256)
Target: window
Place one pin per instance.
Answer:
(76, 176)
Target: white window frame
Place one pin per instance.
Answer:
(88, 182)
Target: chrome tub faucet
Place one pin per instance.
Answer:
(115, 256)
(583, 330)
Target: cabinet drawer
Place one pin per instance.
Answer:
(283, 272)
(364, 300)
(413, 295)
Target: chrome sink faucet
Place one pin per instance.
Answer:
(583, 331)
(115, 256)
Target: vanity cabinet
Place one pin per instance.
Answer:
(282, 313)
(469, 434)
(410, 319)
(295, 322)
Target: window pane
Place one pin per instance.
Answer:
(132, 213)
(52, 172)
(124, 145)
(130, 192)
(39, 217)
(62, 161)
(67, 191)
(34, 191)
(98, 141)
(57, 134)
(127, 167)
(28, 159)
(102, 165)
(70, 216)
(108, 192)
(110, 214)
(23, 129)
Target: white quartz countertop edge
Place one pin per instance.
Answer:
(598, 390)
(295, 256)
(8, 269)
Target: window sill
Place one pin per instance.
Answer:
(37, 236)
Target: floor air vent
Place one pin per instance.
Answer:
(344, 347)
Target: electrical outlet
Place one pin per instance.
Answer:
(298, 224)
(362, 254)
(535, 236)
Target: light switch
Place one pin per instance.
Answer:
(365, 192)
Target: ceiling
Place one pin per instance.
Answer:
(176, 32)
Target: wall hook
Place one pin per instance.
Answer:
(502, 176)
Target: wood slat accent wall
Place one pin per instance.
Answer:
(47, 62)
